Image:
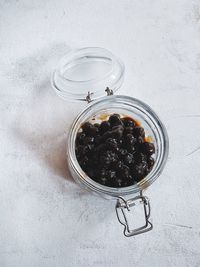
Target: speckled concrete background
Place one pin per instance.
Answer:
(45, 218)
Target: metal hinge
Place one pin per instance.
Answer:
(89, 99)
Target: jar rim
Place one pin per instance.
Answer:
(158, 128)
(89, 67)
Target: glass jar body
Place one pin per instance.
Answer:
(127, 106)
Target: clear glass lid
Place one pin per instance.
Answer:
(90, 69)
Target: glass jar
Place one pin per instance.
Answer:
(99, 70)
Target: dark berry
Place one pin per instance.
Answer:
(117, 132)
(148, 148)
(86, 126)
(139, 171)
(100, 148)
(115, 120)
(80, 138)
(130, 139)
(128, 122)
(125, 171)
(144, 165)
(129, 181)
(97, 140)
(108, 157)
(88, 140)
(112, 143)
(123, 152)
(140, 140)
(138, 131)
(118, 127)
(85, 150)
(132, 149)
(111, 174)
(94, 158)
(84, 162)
(88, 148)
(128, 130)
(118, 182)
(79, 150)
(105, 136)
(128, 159)
(93, 131)
(102, 172)
(150, 162)
(120, 142)
(118, 165)
(89, 129)
(104, 127)
(141, 157)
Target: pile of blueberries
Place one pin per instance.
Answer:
(115, 152)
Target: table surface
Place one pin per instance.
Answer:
(47, 219)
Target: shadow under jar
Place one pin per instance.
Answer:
(66, 76)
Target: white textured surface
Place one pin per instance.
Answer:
(46, 219)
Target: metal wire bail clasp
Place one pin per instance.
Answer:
(124, 206)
